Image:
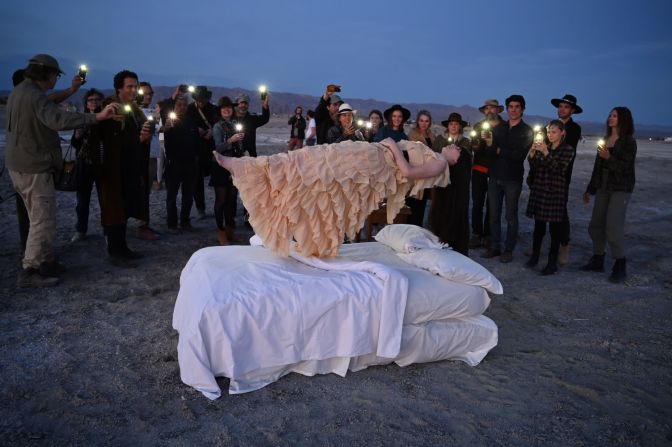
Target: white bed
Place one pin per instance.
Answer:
(245, 313)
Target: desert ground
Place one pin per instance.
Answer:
(580, 361)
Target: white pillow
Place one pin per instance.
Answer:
(404, 238)
(454, 266)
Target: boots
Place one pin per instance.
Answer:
(120, 254)
(563, 255)
(618, 272)
(222, 237)
(552, 265)
(535, 252)
(596, 264)
(233, 239)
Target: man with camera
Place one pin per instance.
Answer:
(326, 112)
(33, 154)
(298, 132)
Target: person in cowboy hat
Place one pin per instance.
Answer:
(567, 106)
(449, 213)
(205, 114)
(344, 130)
(480, 222)
(326, 111)
(395, 117)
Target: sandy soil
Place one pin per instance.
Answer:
(580, 361)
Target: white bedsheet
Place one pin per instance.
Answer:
(251, 315)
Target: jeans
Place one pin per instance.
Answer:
(479, 194)
(508, 191)
(179, 173)
(607, 224)
(86, 177)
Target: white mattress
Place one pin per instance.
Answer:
(253, 316)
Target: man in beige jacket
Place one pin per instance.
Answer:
(33, 154)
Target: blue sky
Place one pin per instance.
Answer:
(607, 53)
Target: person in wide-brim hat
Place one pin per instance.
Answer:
(491, 102)
(569, 99)
(456, 117)
(404, 111)
(201, 93)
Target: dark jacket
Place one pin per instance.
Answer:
(335, 135)
(323, 121)
(513, 144)
(619, 168)
(124, 178)
(182, 140)
(482, 159)
(250, 123)
(298, 127)
(572, 138)
(88, 146)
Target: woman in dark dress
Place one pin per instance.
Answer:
(449, 212)
(228, 141)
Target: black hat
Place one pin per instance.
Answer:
(405, 112)
(456, 117)
(515, 98)
(569, 99)
(225, 101)
(201, 93)
(45, 60)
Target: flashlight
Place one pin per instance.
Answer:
(472, 134)
(600, 144)
(172, 115)
(485, 126)
(360, 123)
(141, 92)
(82, 72)
(369, 125)
(239, 127)
(128, 108)
(537, 128)
(191, 89)
(150, 118)
(450, 140)
(485, 130)
(538, 136)
(263, 92)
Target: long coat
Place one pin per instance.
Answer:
(547, 180)
(449, 213)
(125, 186)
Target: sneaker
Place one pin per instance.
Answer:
(53, 268)
(490, 253)
(506, 257)
(147, 234)
(77, 237)
(31, 277)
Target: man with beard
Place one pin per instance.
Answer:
(326, 112)
(567, 106)
(508, 145)
(32, 156)
(480, 226)
(205, 115)
(250, 121)
(125, 161)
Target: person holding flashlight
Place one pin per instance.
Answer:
(344, 130)
(612, 183)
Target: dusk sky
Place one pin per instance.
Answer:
(607, 53)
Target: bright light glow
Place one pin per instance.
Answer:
(172, 115)
(83, 68)
(369, 125)
(141, 91)
(127, 108)
(239, 127)
(191, 89)
(262, 89)
(485, 126)
(537, 128)
(472, 133)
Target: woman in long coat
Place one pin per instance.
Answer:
(449, 213)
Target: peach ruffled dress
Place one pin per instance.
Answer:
(318, 194)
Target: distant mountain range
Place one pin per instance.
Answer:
(283, 103)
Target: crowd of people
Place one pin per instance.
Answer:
(190, 137)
